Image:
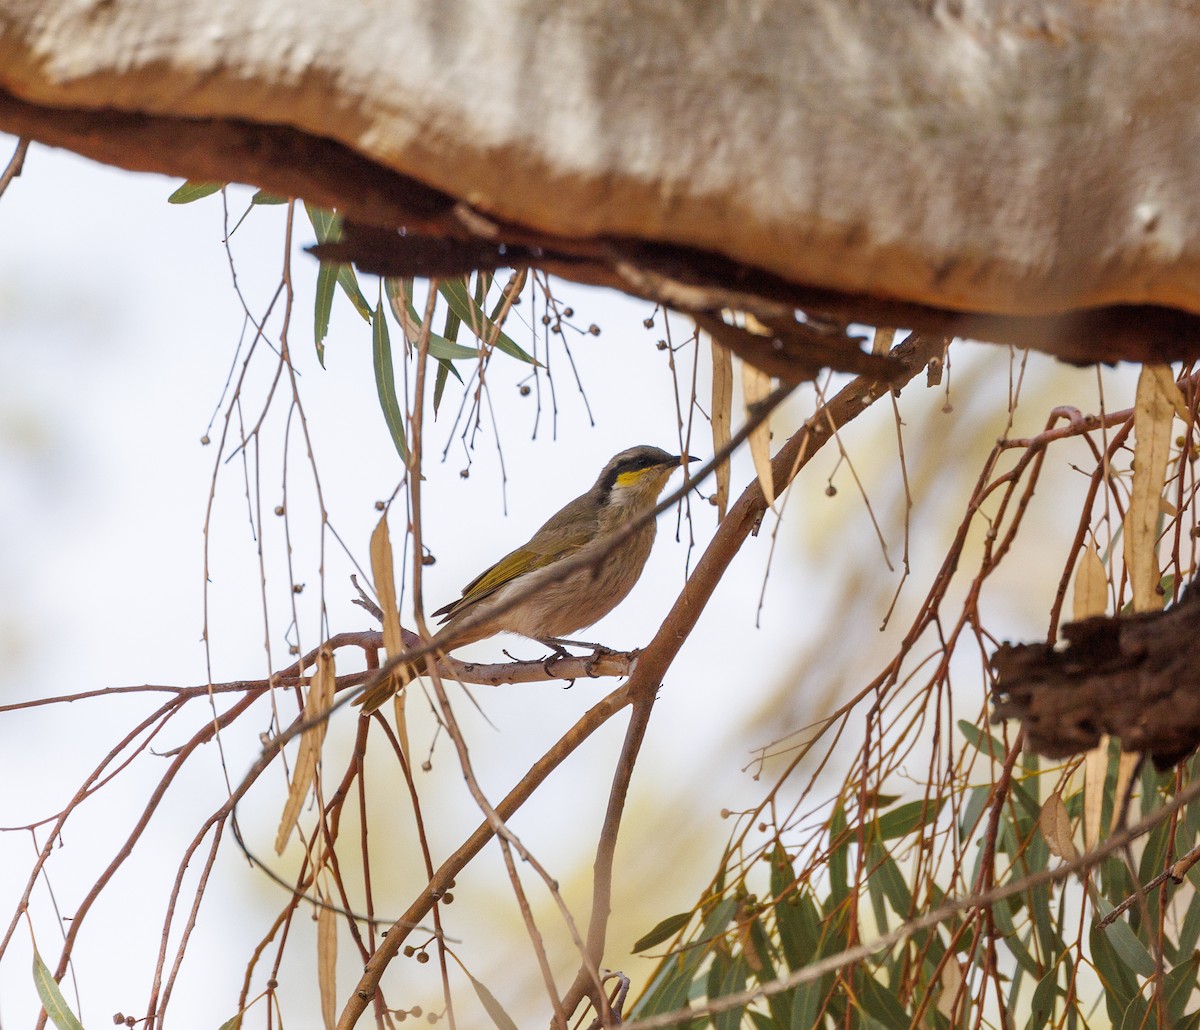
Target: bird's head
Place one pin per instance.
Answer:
(635, 477)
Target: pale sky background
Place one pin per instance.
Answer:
(118, 327)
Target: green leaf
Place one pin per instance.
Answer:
(1044, 996)
(810, 997)
(732, 982)
(1137, 1015)
(1178, 985)
(1012, 940)
(52, 998)
(895, 889)
(263, 197)
(878, 1002)
(789, 920)
(982, 741)
(326, 280)
(665, 930)
(385, 383)
(902, 821)
(488, 999)
(193, 190)
(1132, 952)
(1120, 985)
(348, 281)
(399, 295)
(439, 383)
(839, 858)
(670, 987)
(327, 225)
(1189, 932)
(461, 303)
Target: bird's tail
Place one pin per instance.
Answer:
(394, 682)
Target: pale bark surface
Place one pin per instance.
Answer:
(1021, 157)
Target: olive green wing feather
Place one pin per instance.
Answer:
(564, 534)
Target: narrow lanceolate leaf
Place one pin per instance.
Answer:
(385, 383)
(756, 385)
(52, 998)
(474, 319)
(263, 197)
(1095, 773)
(494, 1009)
(326, 281)
(327, 225)
(1055, 825)
(664, 931)
(1091, 586)
(1154, 410)
(191, 190)
(722, 416)
(319, 701)
(1127, 765)
(382, 570)
(327, 965)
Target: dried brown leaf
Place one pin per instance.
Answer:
(722, 416)
(756, 386)
(319, 701)
(1091, 585)
(1095, 772)
(382, 570)
(1154, 411)
(951, 986)
(327, 965)
(1055, 825)
(1127, 765)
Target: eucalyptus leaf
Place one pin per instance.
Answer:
(50, 993)
(385, 383)
(194, 190)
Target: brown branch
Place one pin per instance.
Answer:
(14, 166)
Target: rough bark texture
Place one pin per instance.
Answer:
(1135, 677)
(1011, 158)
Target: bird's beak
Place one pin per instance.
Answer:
(679, 458)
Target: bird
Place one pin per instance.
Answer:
(627, 488)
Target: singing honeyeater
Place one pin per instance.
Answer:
(628, 487)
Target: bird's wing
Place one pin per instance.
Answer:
(561, 536)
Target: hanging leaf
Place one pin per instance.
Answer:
(1091, 585)
(494, 1009)
(327, 225)
(327, 965)
(756, 385)
(393, 641)
(385, 383)
(1154, 410)
(1095, 773)
(473, 317)
(1056, 827)
(320, 699)
(193, 190)
(50, 993)
(722, 417)
(263, 197)
(664, 931)
(1127, 765)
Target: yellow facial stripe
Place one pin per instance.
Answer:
(629, 478)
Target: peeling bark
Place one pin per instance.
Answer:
(1133, 676)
